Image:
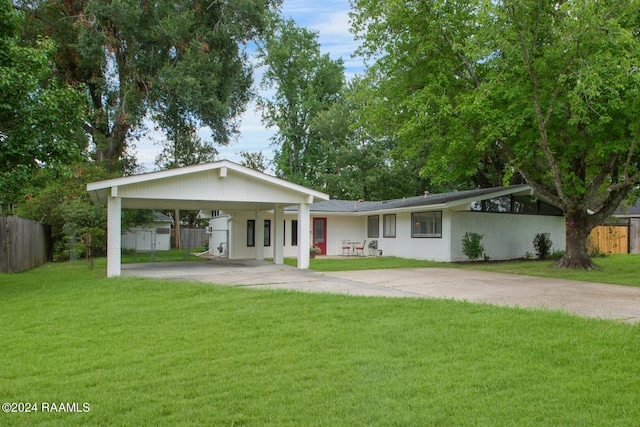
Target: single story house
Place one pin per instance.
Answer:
(429, 227)
(154, 236)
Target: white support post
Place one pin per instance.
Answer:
(278, 235)
(259, 235)
(114, 223)
(304, 232)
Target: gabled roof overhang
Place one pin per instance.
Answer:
(221, 185)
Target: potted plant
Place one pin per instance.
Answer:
(313, 250)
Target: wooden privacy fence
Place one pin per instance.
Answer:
(190, 238)
(611, 239)
(24, 244)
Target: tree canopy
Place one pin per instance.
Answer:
(553, 87)
(170, 60)
(40, 120)
(306, 82)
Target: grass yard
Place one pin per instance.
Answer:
(129, 257)
(364, 263)
(621, 269)
(153, 352)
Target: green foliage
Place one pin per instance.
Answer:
(182, 62)
(593, 250)
(183, 147)
(306, 83)
(254, 160)
(472, 246)
(40, 120)
(542, 244)
(59, 197)
(549, 88)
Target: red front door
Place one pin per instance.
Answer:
(320, 234)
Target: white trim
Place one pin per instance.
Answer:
(135, 179)
(114, 243)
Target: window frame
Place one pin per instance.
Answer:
(267, 233)
(294, 232)
(386, 233)
(370, 226)
(436, 222)
(251, 233)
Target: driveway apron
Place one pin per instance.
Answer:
(587, 299)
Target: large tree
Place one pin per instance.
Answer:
(165, 58)
(40, 121)
(306, 82)
(554, 85)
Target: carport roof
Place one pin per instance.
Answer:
(221, 185)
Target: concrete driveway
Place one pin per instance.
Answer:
(597, 300)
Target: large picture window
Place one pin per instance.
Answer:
(426, 224)
(389, 225)
(373, 226)
(515, 204)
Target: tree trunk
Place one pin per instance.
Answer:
(578, 228)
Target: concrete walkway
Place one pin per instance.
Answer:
(597, 300)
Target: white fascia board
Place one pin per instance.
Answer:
(135, 179)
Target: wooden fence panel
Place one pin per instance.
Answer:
(611, 239)
(634, 235)
(24, 244)
(190, 238)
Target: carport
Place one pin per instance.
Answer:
(221, 185)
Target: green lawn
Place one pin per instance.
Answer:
(129, 257)
(153, 352)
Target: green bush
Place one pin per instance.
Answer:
(472, 246)
(542, 244)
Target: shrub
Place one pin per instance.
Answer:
(472, 246)
(557, 254)
(542, 244)
(593, 250)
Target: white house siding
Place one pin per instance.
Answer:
(339, 228)
(506, 236)
(219, 236)
(208, 185)
(405, 246)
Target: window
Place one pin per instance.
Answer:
(426, 224)
(389, 225)
(373, 229)
(524, 205)
(294, 232)
(497, 204)
(267, 232)
(515, 204)
(251, 232)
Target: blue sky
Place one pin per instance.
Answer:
(330, 18)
